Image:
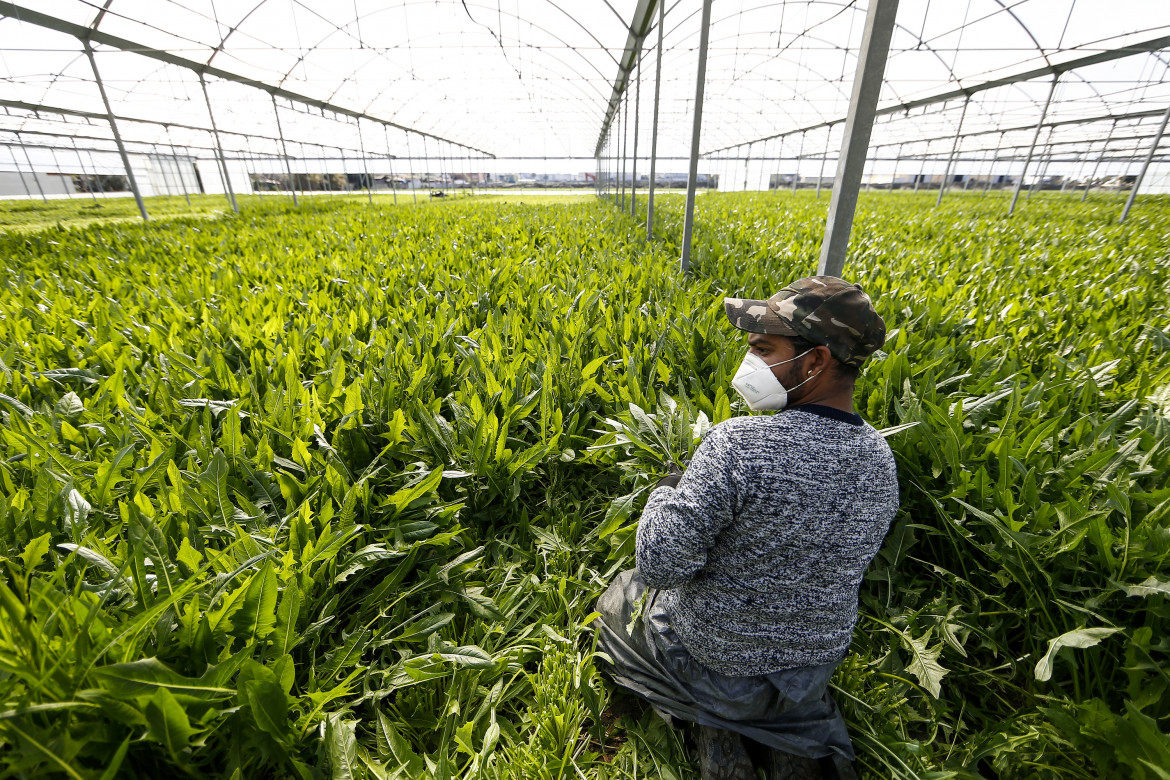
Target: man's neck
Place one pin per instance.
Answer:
(839, 398)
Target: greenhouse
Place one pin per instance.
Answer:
(380, 389)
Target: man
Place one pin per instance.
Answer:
(749, 564)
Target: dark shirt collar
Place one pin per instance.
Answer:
(829, 412)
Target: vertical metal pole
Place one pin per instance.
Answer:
(1145, 165)
(365, 167)
(32, 171)
(158, 161)
(89, 185)
(617, 148)
(867, 85)
(1039, 183)
(779, 160)
(637, 112)
(114, 129)
(227, 183)
(175, 162)
(410, 167)
(60, 173)
(1104, 150)
(654, 131)
(625, 140)
(696, 132)
(994, 160)
(427, 161)
(954, 148)
(292, 187)
(824, 157)
(894, 174)
(326, 178)
(20, 173)
(921, 169)
(763, 167)
(799, 155)
(390, 160)
(1032, 148)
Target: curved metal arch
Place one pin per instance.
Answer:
(848, 7)
(844, 6)
(56, 76)
(440, 34)
(344, 30)
(232, 29)
(583, 114)
(954, 78)
(765, 97)
(1024, 27)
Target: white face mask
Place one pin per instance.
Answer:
(757, 385)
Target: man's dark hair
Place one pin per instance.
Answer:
(842, 369)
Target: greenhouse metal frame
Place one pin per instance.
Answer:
(829, 93)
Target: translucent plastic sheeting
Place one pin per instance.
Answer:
(778, 68)
(533, 79)
(507, 77)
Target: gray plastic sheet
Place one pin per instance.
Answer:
(790, 710)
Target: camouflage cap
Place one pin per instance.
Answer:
(821, 309)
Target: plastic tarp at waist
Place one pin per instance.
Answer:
(789, 710)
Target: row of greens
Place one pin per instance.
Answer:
(330, 491)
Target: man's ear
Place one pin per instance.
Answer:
(822, 359)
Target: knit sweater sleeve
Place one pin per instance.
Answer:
(679, 525)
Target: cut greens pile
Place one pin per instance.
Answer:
(330, 491)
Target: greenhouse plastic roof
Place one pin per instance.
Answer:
(534, 79)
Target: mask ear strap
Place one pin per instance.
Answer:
(807, 379)
(789, 360)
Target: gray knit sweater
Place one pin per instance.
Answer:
(761, 548)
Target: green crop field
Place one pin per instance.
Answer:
(330, 491)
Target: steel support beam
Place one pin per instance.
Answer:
(31, 169)
(1032, 148)
(410, 165)
(1039, 181)
(799, 154)
(166, 177)
(954, 148)
(178, 170)
(365, 166)
(894, 175)
(390, 161)
(824, 157)
(1104, 150)
(1145, 165)
(84, 34)
(637, 113)
(81, 164)
(227, 182)
(114, 129)
(625, 145)
(654, 131)
(20, 173)
(1154, 44)
(639, 26)
(292, 186)
(684, 263)
(867, 85)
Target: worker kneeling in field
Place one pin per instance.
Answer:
(749, 564)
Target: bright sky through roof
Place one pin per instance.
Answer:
(532, 78)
